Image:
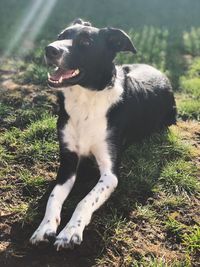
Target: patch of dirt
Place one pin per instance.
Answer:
(190, 130)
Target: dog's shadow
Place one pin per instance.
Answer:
(92, 245)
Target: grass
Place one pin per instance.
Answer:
(179, 177)
(191, 86)
(34, 73)
(161, 164)
(172, 202)
(43, 129)
(189, 99)
(192, 241)
(153, 262)
(148, 221)
(31, 181)
(174, 227)
(189, 108)
(145, 212)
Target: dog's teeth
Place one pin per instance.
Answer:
(48, 75)
(76, 72)
(60, 80)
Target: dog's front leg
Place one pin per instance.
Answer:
(65, 181)
(73, 232)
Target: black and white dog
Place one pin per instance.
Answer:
(103, 109)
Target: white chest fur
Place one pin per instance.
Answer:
(87, 125)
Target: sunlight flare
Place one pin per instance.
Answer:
(30, 26)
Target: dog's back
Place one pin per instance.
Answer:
(148, 103)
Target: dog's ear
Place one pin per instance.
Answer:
(118, 40)
(80, 21)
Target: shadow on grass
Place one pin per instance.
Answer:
(141, 168)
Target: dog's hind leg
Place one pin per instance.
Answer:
(73, 232)
(65, 181)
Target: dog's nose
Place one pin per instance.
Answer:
(52, 51)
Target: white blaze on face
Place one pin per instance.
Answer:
(62, 43)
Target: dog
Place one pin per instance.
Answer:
(103, 109)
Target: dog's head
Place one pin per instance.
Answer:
(84, 55)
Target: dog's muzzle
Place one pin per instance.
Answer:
(56, 54)
(53, 53)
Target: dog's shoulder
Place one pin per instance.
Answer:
(143, 81)
(142, 74)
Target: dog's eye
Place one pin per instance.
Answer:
(60, 37)
(85, 42)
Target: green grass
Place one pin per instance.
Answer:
(191, 86)
(4, 109)
(145, 212)
(180, 177)
(37, 139)
(153, 262)
(172, 202)
(189, 99)
(35, 74)
(174, 227)
(153, 51)
(5, 157)
(30, 180)
(192, 240)
(43, 129)
(189, 108)
(191, 41)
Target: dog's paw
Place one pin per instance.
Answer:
(68, 238)
(44, 233)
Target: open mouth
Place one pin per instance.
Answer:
(62, 76)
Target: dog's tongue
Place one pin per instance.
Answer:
(65, 74)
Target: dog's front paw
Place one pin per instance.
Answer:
(44, 233)
(69, 237)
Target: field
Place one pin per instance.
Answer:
(153, 218)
